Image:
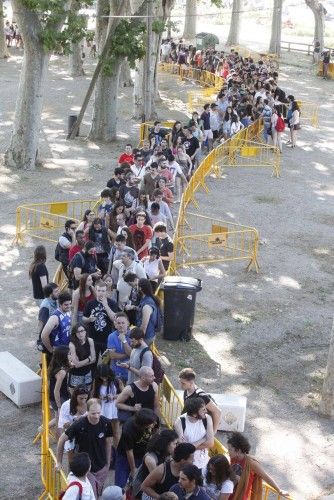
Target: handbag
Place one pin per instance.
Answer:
(297, 126)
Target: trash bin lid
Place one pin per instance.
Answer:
(181, 283)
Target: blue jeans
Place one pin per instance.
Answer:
(122, 469)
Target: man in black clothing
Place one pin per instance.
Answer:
(84, 262)
(129, 192)
(191, 144)
(136, 433)
(93, 435)
(164, 243)
(117, 180)
(100, 314)
(66, 240)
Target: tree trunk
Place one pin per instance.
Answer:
(138, 112)
(148, 89)
(327, 396)
(276, 28)
(319, 13)
(23, 148)
(104, 121)
(233, 36)
(3, 48)
(189, 31)
(125, 79)
(75, 60)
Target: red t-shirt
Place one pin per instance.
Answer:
(140, 236)
(125, 157)
(73, 250)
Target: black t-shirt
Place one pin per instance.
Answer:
(197, 393)
(113, 184)
(134, 439)
(40, 270)
(191, 145)
(165, 246)
(91, 439)
(86, 262)
(128, 194)
(102, 326)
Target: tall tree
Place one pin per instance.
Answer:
(127, 42)
(276, 28)
(75, 59)
(189, 31)
(43, 30)
(233, 35)
(319, 13)
(3, 47)
(327, 396)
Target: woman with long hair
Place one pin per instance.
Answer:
(71, 410)
(107, 279)
(119, 208)
(160, 448)
(218, 475)
(83, 294)
(249, 473)
(184, 160)
(99, 235)
(129, 238)
(294, 123)
(227, 121)
(87, 221)
(153, 267)
(190, 485)
(83, 357)
(176, 131)
(59, 367)
(149, 311)
(236, 125)
(38, 273)
(106, 388)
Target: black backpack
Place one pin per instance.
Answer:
(183, 423)
(72, 282)
(159, 372)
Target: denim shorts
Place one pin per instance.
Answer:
(75, 380)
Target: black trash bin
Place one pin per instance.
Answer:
(71, 121)
(179, 306)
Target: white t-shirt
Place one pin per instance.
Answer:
(73, 492)
(214, 491)
(175, 169)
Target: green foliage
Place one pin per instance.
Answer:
(127, 42)
(158, 26)
(59, 27)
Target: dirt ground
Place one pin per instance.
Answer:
(262, 335)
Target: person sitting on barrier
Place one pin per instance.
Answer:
(93, 435)
(142, 393)
(195, 426)
(136, 433)
(140, 355)
(248, 471)
(78, 484)
(187, 378)
(83, 357)
(190, 485)
(57, 330)
(164, 476)
(218, 478)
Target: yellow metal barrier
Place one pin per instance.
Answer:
(45, 220)
(145, 128)
(53, 481)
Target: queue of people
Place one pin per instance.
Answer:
(103, 375)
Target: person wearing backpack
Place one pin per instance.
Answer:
(79, 487)
(195, 427)
(149, 315)
(66, 240)
(277, 128)
(187, 382)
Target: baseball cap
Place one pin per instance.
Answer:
(112, 493)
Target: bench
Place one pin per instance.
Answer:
(18, 382)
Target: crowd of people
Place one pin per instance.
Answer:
(12, 35)
(97, 334)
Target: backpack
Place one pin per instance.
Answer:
(280, 125)
(159, 372)
(73, 483)
(183, 423)
(159, 320)
(72, 282)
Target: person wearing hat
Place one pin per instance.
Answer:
(113, 493)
